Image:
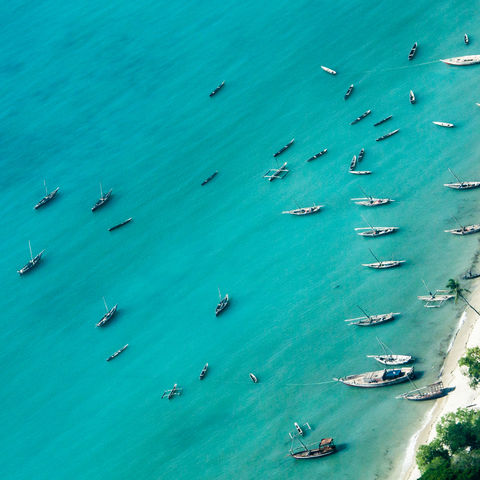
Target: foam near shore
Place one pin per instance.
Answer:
(467, 335)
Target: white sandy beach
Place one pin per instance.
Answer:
(467, 336)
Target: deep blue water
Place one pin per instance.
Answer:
(118, 94)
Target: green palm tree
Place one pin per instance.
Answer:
(455, 289)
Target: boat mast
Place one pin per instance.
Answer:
(101, 191)
(45, 184)
(30, 247)
(463, 228)
(373, 229)
(219, 294)
(363, 311)
(376, 258)
(106, 308)
(428, 290)
(455, 176)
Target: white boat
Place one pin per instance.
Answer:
(371, 320)
(469, 229)
(253, 378)
(412, 97)
(372, 232)
(477, 104)
(371, 201)
(360, 172)
(461, 185)
(382, 264)
(305, 210)
(380, 378)
(328, 70)
(461, 61)
(466, 39)
(444, 124)
(275, 173)
(33, 262)
(388, 357)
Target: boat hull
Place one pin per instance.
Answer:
(462, 61)
(376, 380)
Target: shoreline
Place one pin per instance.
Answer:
(467, 335)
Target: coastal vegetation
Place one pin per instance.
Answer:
(455, 452)
(456, 289)
(471, 360)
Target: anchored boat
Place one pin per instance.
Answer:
(383, 264)
(103, 199)
(464, 230)
(461, 185)
(108, 315)
(128, 220)
(371, 320)
(429, 392)
(32, 263)
(253, 378)
(361, 117)
(389, 358)
(379, 378)
(466, 39)
(387, 135)
(325, 447)
(349, 92)
(275, 173)
(444, 124)
(412, 97)
(383, 121)
(436, 299)
(328, 70)
(288, 145)
(462, 61)
(217, 89)
(48, 196)
(117, 353)
(305, 210)
(413, 51)
(173, 392)
(222, 304)
(204, 371)
(323, 152)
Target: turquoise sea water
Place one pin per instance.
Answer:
(119, 94)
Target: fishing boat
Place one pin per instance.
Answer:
(461, 185)
(349, 92)
(353, 163)
(444, 124)
(360, 172)
(299, 430)
(323, 152)
(369, 201)
(462, 61)
(253, 378)
(325, 447)
(383, 264)
(435, 299)
(48, 196)
(413, 51)
(117, 353)
(275, 173)
(32, 263)
(412, 97)
(379, 378)
(128, 220)
(372, 232)
(172, 392)
(429, 392)
(466, 39)
(470, 276)
(383, 121)
(328, 70)
(387, 135)
(371, 320)
(204, 371)
(361, 117)
(288, 145)
(211, 177)
(467, 230)
(222, 304)
(305, 210)
(103, 199)
(216, 90)
(389, 358)
(361, 155)
(108, 315)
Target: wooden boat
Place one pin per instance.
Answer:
(173, 392)
(349, 92)
(323, 152)
(47, 198)
(470, 276)
(360, 172)
(128, 220)
(305, 210)
(103, 199)
(387, 135)
(325, 447)
(444, 124)
(328, 70)
(436, 299)
(216, 90)
(461, 185)
(371, 201)
(379, 378)
(253, 378)
(288, 145)
(384, 264)
(413, 51)
(429, 392)
(298, 430)
(117, 353)
(32, 263)
(361, 117)
(388, 357)
(353, 163)
(204, 371)
(222, 304)
(466, 39)
(108, 315)
(382, 121)
(211, 177)
(462, 61)
(372, 232)
(371, 320)
(412, 97)
(361, 155)
(464, 230)
(275, 173)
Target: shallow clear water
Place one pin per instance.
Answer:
(119, 94)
